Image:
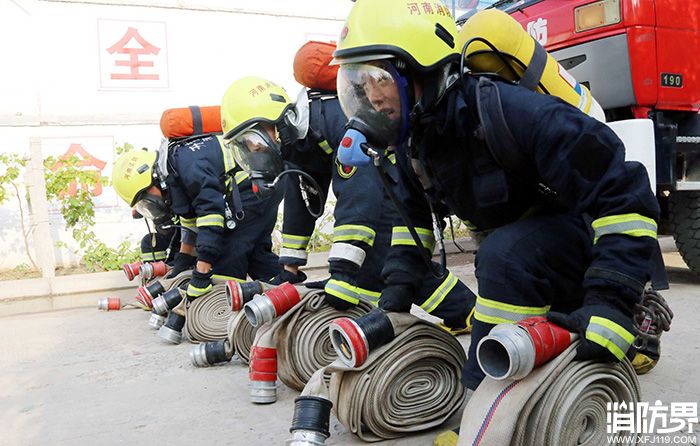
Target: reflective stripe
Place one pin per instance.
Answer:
(188, 222)
(157, 255)
(227, 153)
(325, 147)
(493, 312)
(358, 233)
(439, 294)
(342, 290)
(401, 236)
(295, 241)
(210, 220)
(197, 292)
(346, 251)
(610, 335)
(294, 253)
(634, 225)
(241, 176)
(392, 158)
(222, 277)
(369, 296)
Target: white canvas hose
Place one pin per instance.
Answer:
(409, 385)
(240, 335)
(207, 317)
(562, 403)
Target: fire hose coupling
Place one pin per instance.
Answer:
(109, 304)
(211, 353)
(310, 422)
(156, 320)
(514, 350)
(353, 340)
(239, 294)
(271, 304)
(131, 269)
(149, 271)
(169, 300)
(172, 330)
(263, 375)
(147, 293)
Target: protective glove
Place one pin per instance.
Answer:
(396, 298)
(317, 284)
(181, 263)
(199, 285)
(340, 292)
(287, 276)
(606, 332)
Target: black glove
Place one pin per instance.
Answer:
(340, 292)
(199, 285)
(317, 285)
(396, 298)
(181, 263)
(606, 333)
(287, 276)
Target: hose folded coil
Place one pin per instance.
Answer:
(241, 335)
(207, 316)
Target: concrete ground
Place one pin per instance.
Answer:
(83, 377)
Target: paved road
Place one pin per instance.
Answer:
(83, 377)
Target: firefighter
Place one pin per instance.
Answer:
(572, 226)
(362, 232)
(225, 228)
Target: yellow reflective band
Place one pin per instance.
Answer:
(610, 335)
(400, 235)
(241, 176)
(370, 296)
(358, 233)
(605, 343)
(439, 294)
(157, 255)
(188, 222)
(634, 225)
(615, 327)
(295, 241)
(227, 153)
(210, 220)
(325, 147)
(195, 291)
(493, 312)
(392, 158)
(224, 278)
(342, 290)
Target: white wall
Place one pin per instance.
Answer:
(52, 81)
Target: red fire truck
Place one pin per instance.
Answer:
(640, 59)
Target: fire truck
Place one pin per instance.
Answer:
(640, 60)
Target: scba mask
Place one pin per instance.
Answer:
(374, 95)
(154, 208)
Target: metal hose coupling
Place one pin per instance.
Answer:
(156, 320)
(311, 421)
(211, 353)
(131, 269)
(149, 271)
(109, 304)
(166, 302)
(271, 304)
(353, 340)
(172, 330)
(146, 294)
(514, 350)
(263, 375)
(239, 294)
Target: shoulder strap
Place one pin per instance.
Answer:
(314, 135)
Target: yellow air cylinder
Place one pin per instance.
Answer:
(518, 49)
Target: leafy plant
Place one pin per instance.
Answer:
(13, 164)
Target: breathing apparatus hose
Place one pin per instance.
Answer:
(314, 183)
(207, 316)
(407, 386)
(562, 403)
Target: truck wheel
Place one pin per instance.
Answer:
(685, 226)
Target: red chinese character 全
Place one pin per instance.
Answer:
(427, 7)
(88, 162)
(413, 8)
(134, 63)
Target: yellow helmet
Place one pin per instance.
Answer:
(132, 174)
(251, 100)
(423, 34)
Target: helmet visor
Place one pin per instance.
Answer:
(152, 207)
(370, 93)
(256, 152)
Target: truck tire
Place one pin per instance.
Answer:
(685, 226)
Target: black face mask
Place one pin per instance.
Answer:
(154, 208)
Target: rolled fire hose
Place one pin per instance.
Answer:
(299, 342)
(562, 403)
(241, 335)
(155, 288)
(206, 318)
(406, 386)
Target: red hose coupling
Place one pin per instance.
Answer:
(349, 341)
(283, 297)
(109, 304)
(263, 375)
(271, 304)
(152, 270)
(548, 338)
(131, 269)
(143, 296)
